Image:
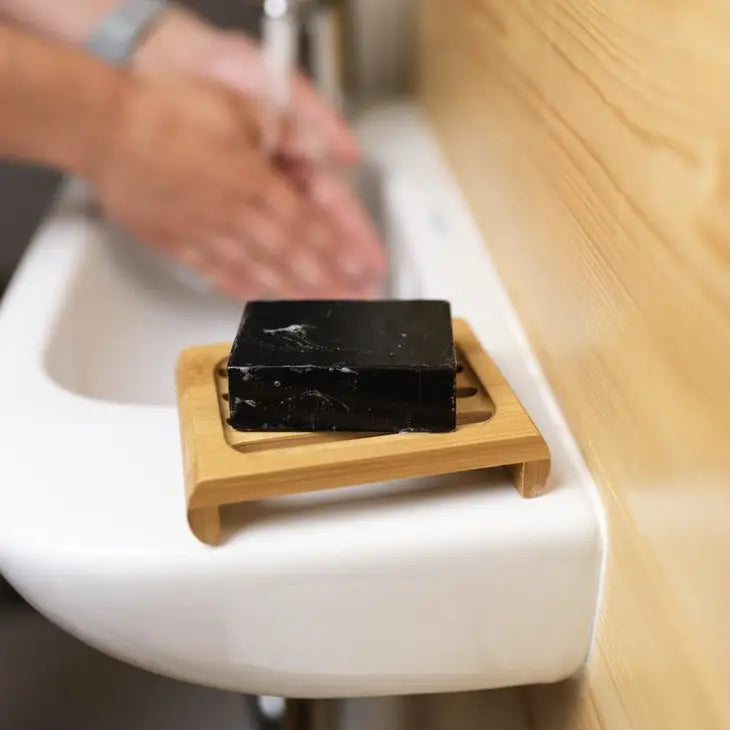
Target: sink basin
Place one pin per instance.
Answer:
(426, 585)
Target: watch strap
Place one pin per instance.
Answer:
(119, 32)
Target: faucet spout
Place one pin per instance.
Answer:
(280, 33)
(309, 34)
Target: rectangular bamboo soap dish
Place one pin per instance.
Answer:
(224, 466)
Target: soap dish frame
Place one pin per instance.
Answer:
(223, 466)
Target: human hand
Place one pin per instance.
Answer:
(180, 164)
(321, 141)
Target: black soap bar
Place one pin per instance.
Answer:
(384, 366)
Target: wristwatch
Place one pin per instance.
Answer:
(115, 39)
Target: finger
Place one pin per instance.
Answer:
(237, 264)
(215, 270)
(288, 223)
(261, 268)
(277, 263)
(336, 227)
(287, 232)
(273, 191)
(313, 112)
(263, 231)
(266, 230)
(286, 257)
(361, 254)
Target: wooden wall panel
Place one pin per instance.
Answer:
(592, 140)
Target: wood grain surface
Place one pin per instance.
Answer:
(592, 141)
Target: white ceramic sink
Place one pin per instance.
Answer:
(428, 585)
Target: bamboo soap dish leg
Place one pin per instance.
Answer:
(224, 466)
(530, 477)
(205, 524)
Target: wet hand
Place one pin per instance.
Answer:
(319, 140)
(181, 166)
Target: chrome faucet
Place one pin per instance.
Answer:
(308, 34)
